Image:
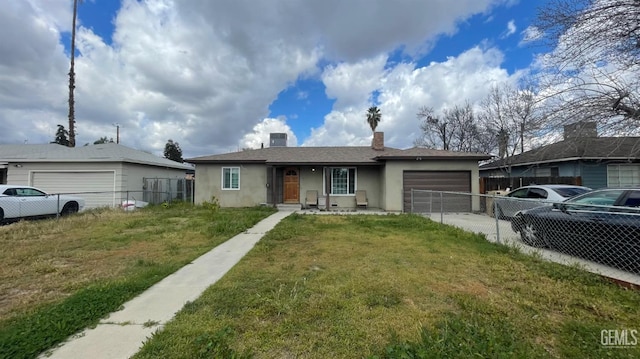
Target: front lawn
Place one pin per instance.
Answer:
(397, 286)
(60, 276)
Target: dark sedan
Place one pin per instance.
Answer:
(602, 225)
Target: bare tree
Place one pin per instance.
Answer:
(454, 129)
(593, 73)
(436, 132)
(511, 116)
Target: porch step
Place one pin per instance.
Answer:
(289, 207)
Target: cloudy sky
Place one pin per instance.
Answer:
(218, 76)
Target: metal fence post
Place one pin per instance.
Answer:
(58, 207)
(430, 203)
(441, 209)
(495, 215)
(192, 192)
(412, 208)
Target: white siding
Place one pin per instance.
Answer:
(97, 188)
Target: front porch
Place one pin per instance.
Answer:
(332, 187)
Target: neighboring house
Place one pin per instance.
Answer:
(281, 174)
(110, 169)
(598, 161)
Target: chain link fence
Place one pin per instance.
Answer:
(31, 203)
(601, 238)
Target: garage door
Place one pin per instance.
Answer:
(449, 181)
(97, 188)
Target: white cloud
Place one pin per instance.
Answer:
(402, 91)
(204, 73)
(530, 34)
(261, 132)
(511, 29)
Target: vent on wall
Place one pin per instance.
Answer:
(278, 140)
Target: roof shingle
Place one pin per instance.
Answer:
(592, 148)
(107, 152)
(331, 155)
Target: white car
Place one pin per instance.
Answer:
(18, 202)
(528, 197)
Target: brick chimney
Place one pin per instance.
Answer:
(580, 130)
(378, 141)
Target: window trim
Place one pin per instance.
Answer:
(222, 172)
(617, 168)
(324, 181)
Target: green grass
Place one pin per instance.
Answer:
(395, 287)
(59, 277)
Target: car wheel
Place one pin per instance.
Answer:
(531, 235)
(69, 208)
(516, 223)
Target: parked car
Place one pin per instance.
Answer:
(528, 197)
(17, 202)
(602, 225)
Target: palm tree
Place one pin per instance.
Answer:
(373, 117)
(72, 79)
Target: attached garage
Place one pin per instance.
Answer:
(425, 202)
(97, 187)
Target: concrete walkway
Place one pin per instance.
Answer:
(122, 334)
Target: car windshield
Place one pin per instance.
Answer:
(600, 198)
(567, 192)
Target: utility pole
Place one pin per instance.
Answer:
(117, 132)
(72, 79)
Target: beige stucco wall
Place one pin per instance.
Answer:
(367, 178)
(393, 195)
(252, 190)
(310, 180)
(382, 183)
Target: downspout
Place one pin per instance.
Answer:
(327, 187)
(273, 187)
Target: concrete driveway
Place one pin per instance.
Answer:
(499, 231)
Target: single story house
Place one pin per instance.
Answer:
(103, 174)
(597, 161)
(283, 175)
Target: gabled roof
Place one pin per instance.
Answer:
(332, 155)
(107, 152)
(585, 148)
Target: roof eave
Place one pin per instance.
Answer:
(567, 159)
(324, 163)
(428, 158)
(203, 161)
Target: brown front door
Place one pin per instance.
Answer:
(291, 186)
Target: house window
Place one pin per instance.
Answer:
(343, 180)
(230, 177)
(623, 175)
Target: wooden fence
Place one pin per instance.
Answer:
(502, 183)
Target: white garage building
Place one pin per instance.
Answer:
(103, 174)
